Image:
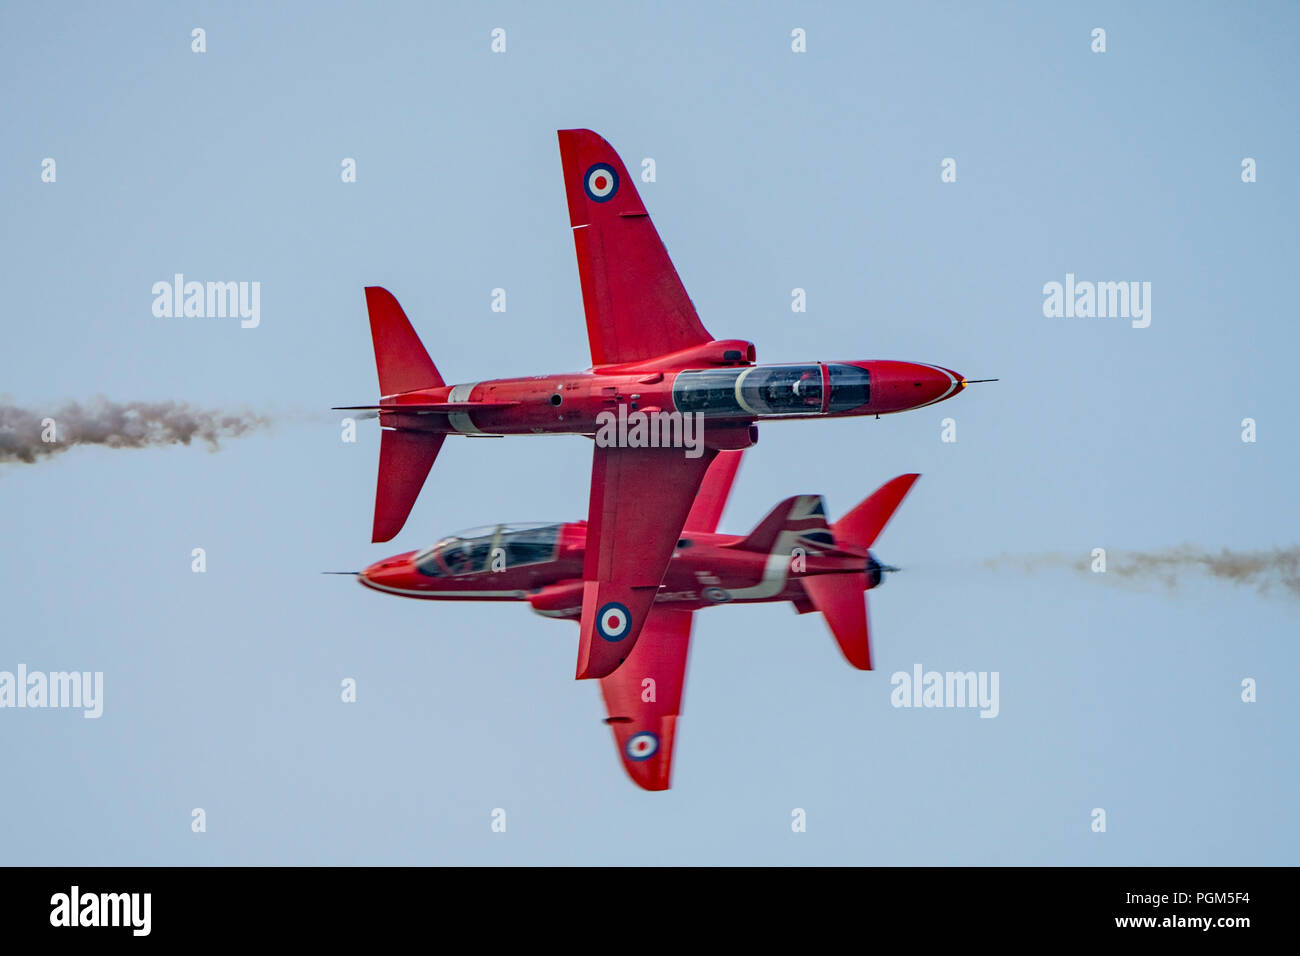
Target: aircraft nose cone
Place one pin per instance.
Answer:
(898, 386)
(388, 573)
(933, 383)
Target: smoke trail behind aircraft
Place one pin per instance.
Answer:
(31, 435)
(1265, 570)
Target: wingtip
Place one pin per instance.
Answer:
(655, 771)
(596, 666)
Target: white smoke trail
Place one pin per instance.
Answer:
(1265, 570)
(25, 433)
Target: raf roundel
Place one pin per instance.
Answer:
(613, 621)
(642, 746)
(601, 182)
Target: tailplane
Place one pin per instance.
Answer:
(405, 457)
(863, 524)
(842, 598)
(404, 462)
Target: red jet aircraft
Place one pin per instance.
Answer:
(792, 555)
(651, 357)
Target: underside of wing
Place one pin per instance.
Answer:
(636, 306)
(640, 498)
(644, 697)
(713, 493)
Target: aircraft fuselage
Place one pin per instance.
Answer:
(727, 398)
(543, 566)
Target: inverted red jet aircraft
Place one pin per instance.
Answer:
(792, 555)
(652, 358)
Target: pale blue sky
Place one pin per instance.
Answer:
(775, 170)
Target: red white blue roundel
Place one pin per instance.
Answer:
(642, 746)
(613, 621)
(601, 182)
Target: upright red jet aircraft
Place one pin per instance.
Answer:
(792, 555)
(651, 357)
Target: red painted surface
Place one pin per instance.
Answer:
(794, 554)
(651, 355)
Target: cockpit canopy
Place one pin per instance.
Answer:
(771, 390)
(494, 547)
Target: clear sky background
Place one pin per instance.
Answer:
(775, 170)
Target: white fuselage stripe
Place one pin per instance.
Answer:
(460, 420)
(775, 570)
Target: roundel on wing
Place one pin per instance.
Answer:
(613, 621)
(601, 182)
(642, 746)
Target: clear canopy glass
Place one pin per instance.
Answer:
(473, 550)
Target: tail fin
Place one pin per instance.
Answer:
(804, 515)
(401, 359)
(863, 524)
(405, 458)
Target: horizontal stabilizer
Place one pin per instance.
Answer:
(843, 602)
(405, 458)
(863, 524)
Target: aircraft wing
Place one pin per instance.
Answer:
(640, 498)
(644, 697)
(712, 497)
(636, 305)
